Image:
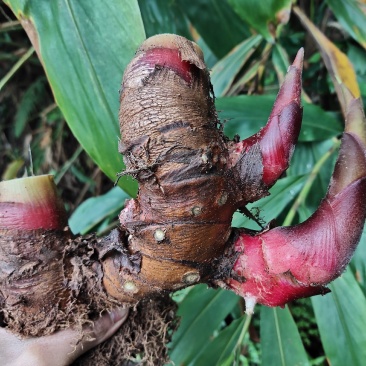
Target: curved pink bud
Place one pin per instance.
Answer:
(257, 283)
(277, 139)
(286, 263)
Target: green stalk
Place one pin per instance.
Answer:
(309, 182)
(16, 67)
(68, 164)
(10, 25)
(243, 332)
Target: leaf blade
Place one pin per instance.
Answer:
(352, 15)
(92, 211)
(337, 63)
(246, 114)
(201, 312)
(84, 57)
(162, 17)
(267, 16)
(221, 347)
(216, 22)
(281, 194)
(342, 322)
(224, 72)
(281, 342)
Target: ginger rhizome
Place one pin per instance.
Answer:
(192, 178)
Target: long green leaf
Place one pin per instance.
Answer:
(201, 312)
(352, 15)
(85, 47)
(224, 72)
(220, 349)
(249, 72)
(306, 155)
(161, 16)
(210, 57)
(358, 58)
(341, 318)
(280, 61)
(264, 15)
(28, 103)
(94, 210)
(217, 24)
(281, 342)
(281, 194)
(359, 262)
(246, 114)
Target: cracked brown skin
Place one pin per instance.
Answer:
(30, 274)
(172, 145)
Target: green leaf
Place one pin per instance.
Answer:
(358, 58)
(306, 155)
(12, 169)
(358, 262)
(280, 61)
(246, 114)
(249, 72)
(210, 57)
(221, 348)
(201, 312)
(281, 342)
(28, 104)
(217, 24)
(160, 16)
(352, 16)
(225, 71)
(85, 47)
(337, 63)
(281, 194)
(264, 16)
(341, 318)
(94, 210)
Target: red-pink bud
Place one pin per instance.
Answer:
(286, 263)
(278, 138)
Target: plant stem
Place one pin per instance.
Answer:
(16, 67)
(68, 164)
(10, 25)
(243, 332)
(309, 182)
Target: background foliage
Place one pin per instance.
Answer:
(84, 47)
